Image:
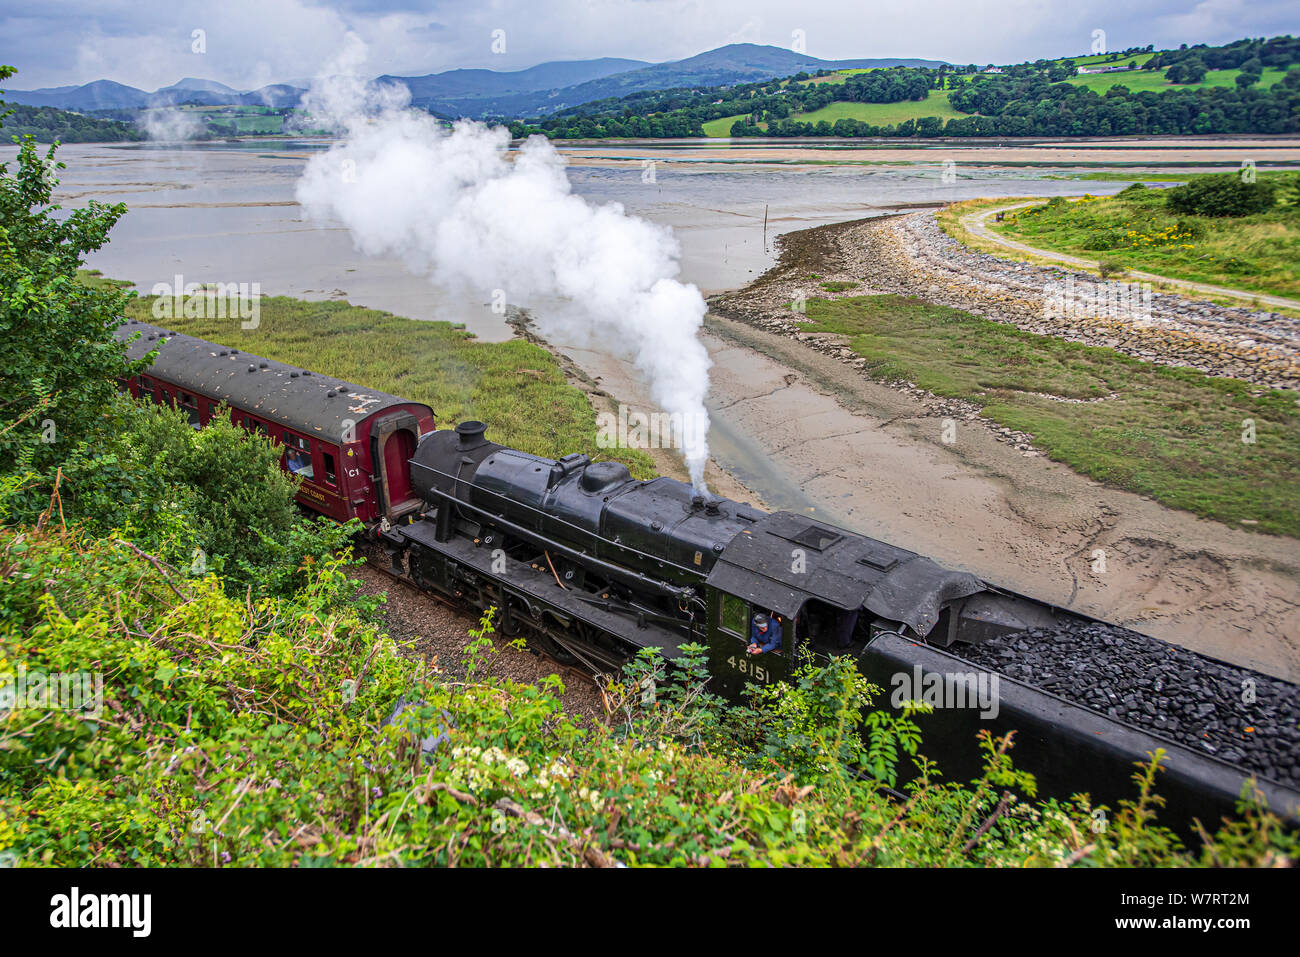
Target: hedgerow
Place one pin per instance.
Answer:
(291, 731)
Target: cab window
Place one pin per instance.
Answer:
(733, 613)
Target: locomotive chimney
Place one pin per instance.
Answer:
(471, 435)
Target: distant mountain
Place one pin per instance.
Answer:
(480, 93)
(195, 83)
(99, 95)
(107, 95)
(471, 84)
(536, 91)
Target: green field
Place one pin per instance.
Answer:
(881, 114)
(1259, 253)
(836, 78)
(722, 127)
(1171, 434)
(514, 386)
(1140, 80)
(1103, 59)
(256, 123)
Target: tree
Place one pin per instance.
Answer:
(1188, 71)
(58, 355)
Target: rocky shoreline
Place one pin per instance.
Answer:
(910, 255)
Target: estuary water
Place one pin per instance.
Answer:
(227, 213)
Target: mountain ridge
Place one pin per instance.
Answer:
(479, 93)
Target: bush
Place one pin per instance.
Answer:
(1225, 195)
(214, 499)
(292, 732)
(1111, 267)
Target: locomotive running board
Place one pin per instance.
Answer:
(540, 588)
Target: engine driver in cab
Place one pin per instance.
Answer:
(764, 635)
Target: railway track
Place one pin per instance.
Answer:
(378, 561)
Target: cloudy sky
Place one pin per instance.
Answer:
(247, 43)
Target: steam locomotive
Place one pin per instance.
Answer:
(593, 565)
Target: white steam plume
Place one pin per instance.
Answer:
(454, 207)
(167, 125)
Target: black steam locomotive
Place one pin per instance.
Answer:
(592, 566)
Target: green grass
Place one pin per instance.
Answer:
(514, 386)
(258, 123)
(837, 78)
(722, 126)
(882, 114)
(1259, 253)
(1171, 434)
(1139, 80)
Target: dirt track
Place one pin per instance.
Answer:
(809, 432)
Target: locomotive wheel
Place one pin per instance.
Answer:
(553, 648)
(510, 624)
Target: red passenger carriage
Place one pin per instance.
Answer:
(350, 445)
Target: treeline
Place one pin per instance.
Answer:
(1274, 52)
(1068, 110)
(1027, 99)
(47, 124)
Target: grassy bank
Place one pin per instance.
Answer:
(1259, 253)
(1171, 434)
(880, 114)
(514, 386)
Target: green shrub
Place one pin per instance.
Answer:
(214, 499)
(1226, 195)
(292, 732)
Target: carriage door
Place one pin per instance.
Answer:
(394, 437)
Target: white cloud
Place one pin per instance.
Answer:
(146, 43)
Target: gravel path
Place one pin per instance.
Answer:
(911, 254)
(977, 223)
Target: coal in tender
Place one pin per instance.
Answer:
(1248, 719)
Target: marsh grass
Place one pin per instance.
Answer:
(516, 387)
(1172, 434)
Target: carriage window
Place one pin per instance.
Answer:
(329, 468)
(146, 388)
(732, 615)
(298, 455)
(191, 407)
